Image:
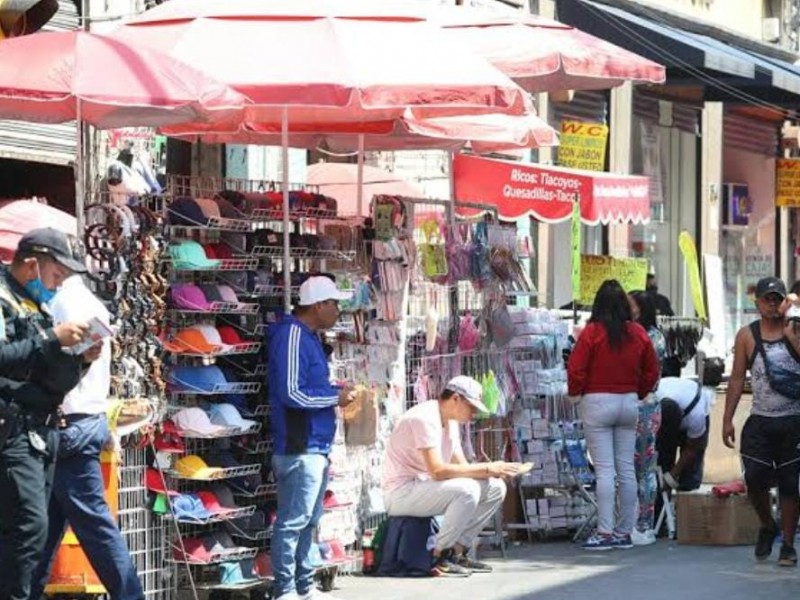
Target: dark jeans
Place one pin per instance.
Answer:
(667, 447)
(78, 500)
(26, 475)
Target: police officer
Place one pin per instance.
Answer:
(35, 374)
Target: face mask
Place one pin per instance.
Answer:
(37, 290)
(653, 289)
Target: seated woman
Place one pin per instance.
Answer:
(426, 474)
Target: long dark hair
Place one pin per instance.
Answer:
(647, 309)
(612, 311)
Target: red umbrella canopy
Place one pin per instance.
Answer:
(44, 76)
(544, 55)
(21, 216)
(327, 62)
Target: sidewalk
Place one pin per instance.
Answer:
(561, 571)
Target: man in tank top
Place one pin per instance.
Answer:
(770, 439)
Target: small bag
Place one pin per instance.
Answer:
(479, 256)
(784, 381)
(432, 253)
(500, 325)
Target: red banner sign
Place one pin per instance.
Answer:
(547, 193)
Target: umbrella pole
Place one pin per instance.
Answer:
(287, 275)
(360, 177)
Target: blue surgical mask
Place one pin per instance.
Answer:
(36, 289)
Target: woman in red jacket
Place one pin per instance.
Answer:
(612, 367)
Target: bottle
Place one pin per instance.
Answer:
(367, 554)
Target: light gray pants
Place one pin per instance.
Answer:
(609, 421)
(467, 505)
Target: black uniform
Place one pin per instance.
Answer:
(35, 375)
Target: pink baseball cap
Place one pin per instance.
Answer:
(189, 296)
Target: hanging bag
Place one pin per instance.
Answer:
(432, 254)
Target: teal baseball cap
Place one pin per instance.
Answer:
(188, 255)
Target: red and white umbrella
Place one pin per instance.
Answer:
(18, 217)
(58, 77)
(544, 55)
(323, 63)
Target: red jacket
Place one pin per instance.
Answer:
(594, 367)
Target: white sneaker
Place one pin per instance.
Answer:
(315, 594)
(643, 538)
(289, 596)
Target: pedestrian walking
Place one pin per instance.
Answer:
(303, 421)
(35, 374)
(770, 439)
(78, 498)
(612, 367)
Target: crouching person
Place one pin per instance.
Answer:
(426, 474)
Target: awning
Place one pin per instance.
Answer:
(726, 71)
(547, 193)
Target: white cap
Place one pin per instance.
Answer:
(226, 415)
(195, 421)
(320, 289)
(471, 390)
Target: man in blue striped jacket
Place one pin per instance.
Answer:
(303, 417)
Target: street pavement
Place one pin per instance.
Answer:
(560, 570)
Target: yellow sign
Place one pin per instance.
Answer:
(689, 251)
(787, 182)
(583, 145)
(630, 272)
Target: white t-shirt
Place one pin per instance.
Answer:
(683, 392)
(419, 428)
(75, 302)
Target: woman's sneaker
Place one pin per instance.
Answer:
(643, 538)
(788, 556)
(622, 542)
(599, 541)
(446, 566)
(475, 566)
(766, 537)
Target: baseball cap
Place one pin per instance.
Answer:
(194, 420)
(226, 415)
(230, 336)
(209, 207)
(250, 527)
(219, 250)
(195, 550)
(214, 505)
(233, 573)
(320, 289)
(770, 285)
(203, 339)
(226, 460)
(189, 296)
(199, 379)
(169, 442)
(66, 249)
(154, 482)
(262, 566)
(227, 209)
(185, 211)
(211, 292)
(227, 294)
(189, 506)
(470, 390)
(194, 467)
(189, 254)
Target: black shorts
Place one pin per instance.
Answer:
(771, 451)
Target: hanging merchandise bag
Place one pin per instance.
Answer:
(432, 253)
(500, 325)
(459, 254)
(479, 257)
(361, 419)
(491, 393)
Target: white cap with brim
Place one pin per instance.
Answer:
(470, 389)
(319, 289)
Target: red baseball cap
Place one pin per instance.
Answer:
(262, 566)
(194, 551)
(168, 442)
(213, 504)
(154, 482)
(230, 336)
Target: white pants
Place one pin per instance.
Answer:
(467, 505)
(609, 421)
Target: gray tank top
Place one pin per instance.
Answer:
(766, 401)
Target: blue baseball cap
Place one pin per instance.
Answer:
(240, 402)
(232, 573)
(190, 507)
(196, 378)
(226, 460)
(186, 211)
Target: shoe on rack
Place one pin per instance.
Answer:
(447, 566)
(599, 542)
(788, 556)
(622, 541)
(643, 538)
(475, 566)
(766, 537)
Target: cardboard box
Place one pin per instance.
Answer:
(704, 519)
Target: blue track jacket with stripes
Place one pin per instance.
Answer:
(302, 399)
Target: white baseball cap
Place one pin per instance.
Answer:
(320, 289)
(194, 421)
(471, 390)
